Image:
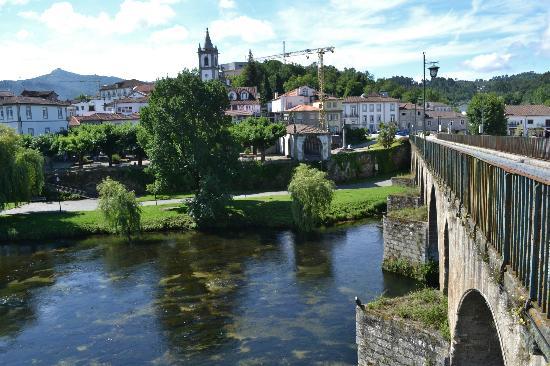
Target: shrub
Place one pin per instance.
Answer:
(386, 136)
(116, 159)
(311, 192)
(119, 208)
(357, 135)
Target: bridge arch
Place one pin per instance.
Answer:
(433, 247)
(476, 340)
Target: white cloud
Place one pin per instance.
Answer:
(489, 62)
(248, 29)
(22, 35)
(131, 15)
(13, 2)
(176, 33)
(226, 4)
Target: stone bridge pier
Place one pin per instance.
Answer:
(485, 302)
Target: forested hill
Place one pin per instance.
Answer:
(274, 76)
(67, 84)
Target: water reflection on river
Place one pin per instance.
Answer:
(199, 299)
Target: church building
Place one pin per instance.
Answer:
(208, 60)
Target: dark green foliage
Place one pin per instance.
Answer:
(258, 132)
(256, 176)
(489, 110)
(188, 136)
(356, 136)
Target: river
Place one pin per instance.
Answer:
(196, 299)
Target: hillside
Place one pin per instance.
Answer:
(67, 84)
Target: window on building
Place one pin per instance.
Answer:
(379, 107)
(1, 113)
(378, 118)
(529, 121)
(244, 96)
(461, 121)
(364, 107)
(45, 112)
(547, 121)
(392, 107)
(206, 61)
(59, 113)
(371, 118)
(403, 113)
(47, 130)
(28, 111)
(30, 131)
(392, 118)
(429, 123)
(371, 107)
(91, 108)
(9, 113)
(364, 118)
(353, 111)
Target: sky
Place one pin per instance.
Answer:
(150, 39)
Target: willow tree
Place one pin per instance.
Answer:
(22, 169)
(311, 192)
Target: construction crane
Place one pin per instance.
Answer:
(320, 72)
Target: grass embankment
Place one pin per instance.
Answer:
(427, 307)
(410, 213)
(267, 212)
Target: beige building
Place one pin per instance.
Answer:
(333, 113)
(303, 114)
(449, 122)
(528, 117)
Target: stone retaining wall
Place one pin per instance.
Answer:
(401, 181)
(406, 240)
(399, 202)
(396, 342)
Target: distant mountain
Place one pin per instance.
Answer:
(67, 84)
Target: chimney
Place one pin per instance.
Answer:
(275, 95)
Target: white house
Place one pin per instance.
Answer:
(119, 90)
(127, 105)
(100, 118)
(302, 95)
(368, 111)
(305, 142)
(527, 117)
(33, 116)
(87, 107)
(244, 102)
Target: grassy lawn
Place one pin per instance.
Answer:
(410, 213)
(427, 307)
(268, 211)
(378, 146)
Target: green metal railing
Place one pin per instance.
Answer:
(533, 147)
(511, 210)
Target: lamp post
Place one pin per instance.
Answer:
(433, 73)
(57, 180)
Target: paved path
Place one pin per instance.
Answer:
(534, 168)
(91, 204)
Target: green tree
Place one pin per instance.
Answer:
(311, 192)
(79, 143)
(133, 141)
(258, 132)
(188, 136)
(119, 208)
(21, 173)
(489, 110)
(109, 139)
(251, 75)
(386, 135)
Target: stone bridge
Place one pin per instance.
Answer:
(489, 227)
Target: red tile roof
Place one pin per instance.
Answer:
(301, 129)
(527, 110)
(409, 106)
(237, 113)
(102, 117)
(371, 98)
(303, 108)
(145, 88)
(296, 92)
(123, 84)
(245, 102)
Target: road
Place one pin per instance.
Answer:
(91, 204)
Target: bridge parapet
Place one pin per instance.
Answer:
(510, 209)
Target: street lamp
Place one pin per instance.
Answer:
(433, 73)
(57, 180)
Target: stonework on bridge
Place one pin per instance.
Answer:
(484, 303)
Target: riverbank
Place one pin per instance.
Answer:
(265, 212)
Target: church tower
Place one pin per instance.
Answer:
(208, 60)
